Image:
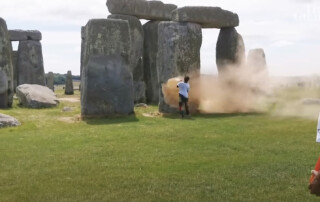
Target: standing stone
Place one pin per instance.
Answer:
(149, 10)
(105, 37)
(69, 84)
(24, 35)
(179, 54)
(50, 81)
(3, 90)
(6, 61)
(207, 17)
(15, 69)
(136, 53)
(83, 43)
(30, 63)
(107, 87)
(106, 83)
(230, 50)
(257, 60)
(150, 61)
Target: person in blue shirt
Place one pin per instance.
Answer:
(184, 88)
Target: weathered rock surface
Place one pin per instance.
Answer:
(107, 87)
(69, 84)
(150, 61)
(3, 90)
(8, 121)
(257, 60)
(36, 96)
(107, 37)
(6, 60)
(179, 53)
(149, 10)
(136, 53)
(15, 69)
(230, 49)
(30, 63)
(50, 81)
(207, 17)
(83, 44)
(24, 35)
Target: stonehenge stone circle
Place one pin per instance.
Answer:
(256, 60)
(50, 81)
(136, 54)
(107, 83)
(24, 35)
(230, 49)
(150, 61)
(207, 17)
(69, 84)
(6, 60)
(36, 96)
(149, 10)
(107, 86)
(8, 121)
(178, 53)
(30, 63)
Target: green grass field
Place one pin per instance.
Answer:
(56, 156)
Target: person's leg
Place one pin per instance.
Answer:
(187, 107)
(180, 105)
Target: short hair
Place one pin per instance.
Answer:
(186, 79)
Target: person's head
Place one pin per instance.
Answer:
(314, 187)
(186, 79)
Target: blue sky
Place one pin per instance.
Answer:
(288, 30)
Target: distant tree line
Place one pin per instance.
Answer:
(60, 79)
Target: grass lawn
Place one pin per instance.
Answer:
(55, 156)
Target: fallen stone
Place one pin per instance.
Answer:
(230, 50)
(178, 54)
(149, 10)
(311, 101)
(107, 87)
(6, 60)
(141, 105)
(24, 35)
(30, 63)
(36, 96)
(207, 17)
(150, 61)
(69, 84)
(50, 81)
(67, 109)
(8, 121)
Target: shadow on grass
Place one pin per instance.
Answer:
(109, 120)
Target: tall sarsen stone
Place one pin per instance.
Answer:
(178, 53)
(30, 63)
(230, 50)
(106, 82)
(6, 65)
(136, 53)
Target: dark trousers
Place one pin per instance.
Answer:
(183, 100)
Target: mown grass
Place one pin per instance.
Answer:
(55, 156)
